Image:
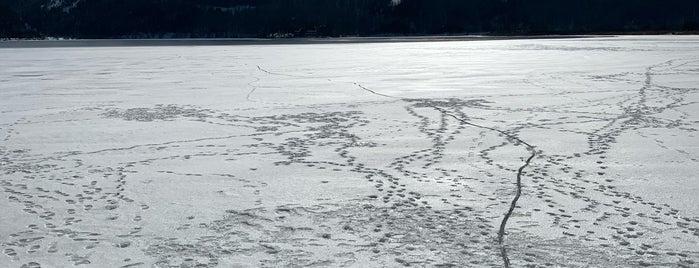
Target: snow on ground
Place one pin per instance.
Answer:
(352, 155)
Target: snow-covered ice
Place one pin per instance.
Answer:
(352, 155)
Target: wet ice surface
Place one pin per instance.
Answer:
(352, 155)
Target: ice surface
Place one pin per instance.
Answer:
(352, 155)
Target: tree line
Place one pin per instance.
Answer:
(299, 18)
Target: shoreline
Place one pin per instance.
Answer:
(264, 41)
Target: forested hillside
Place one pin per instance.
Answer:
(287, 18)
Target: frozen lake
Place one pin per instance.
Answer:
(549, 152)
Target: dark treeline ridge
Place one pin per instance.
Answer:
(299, 18)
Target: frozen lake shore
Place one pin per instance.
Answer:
(548, 152)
